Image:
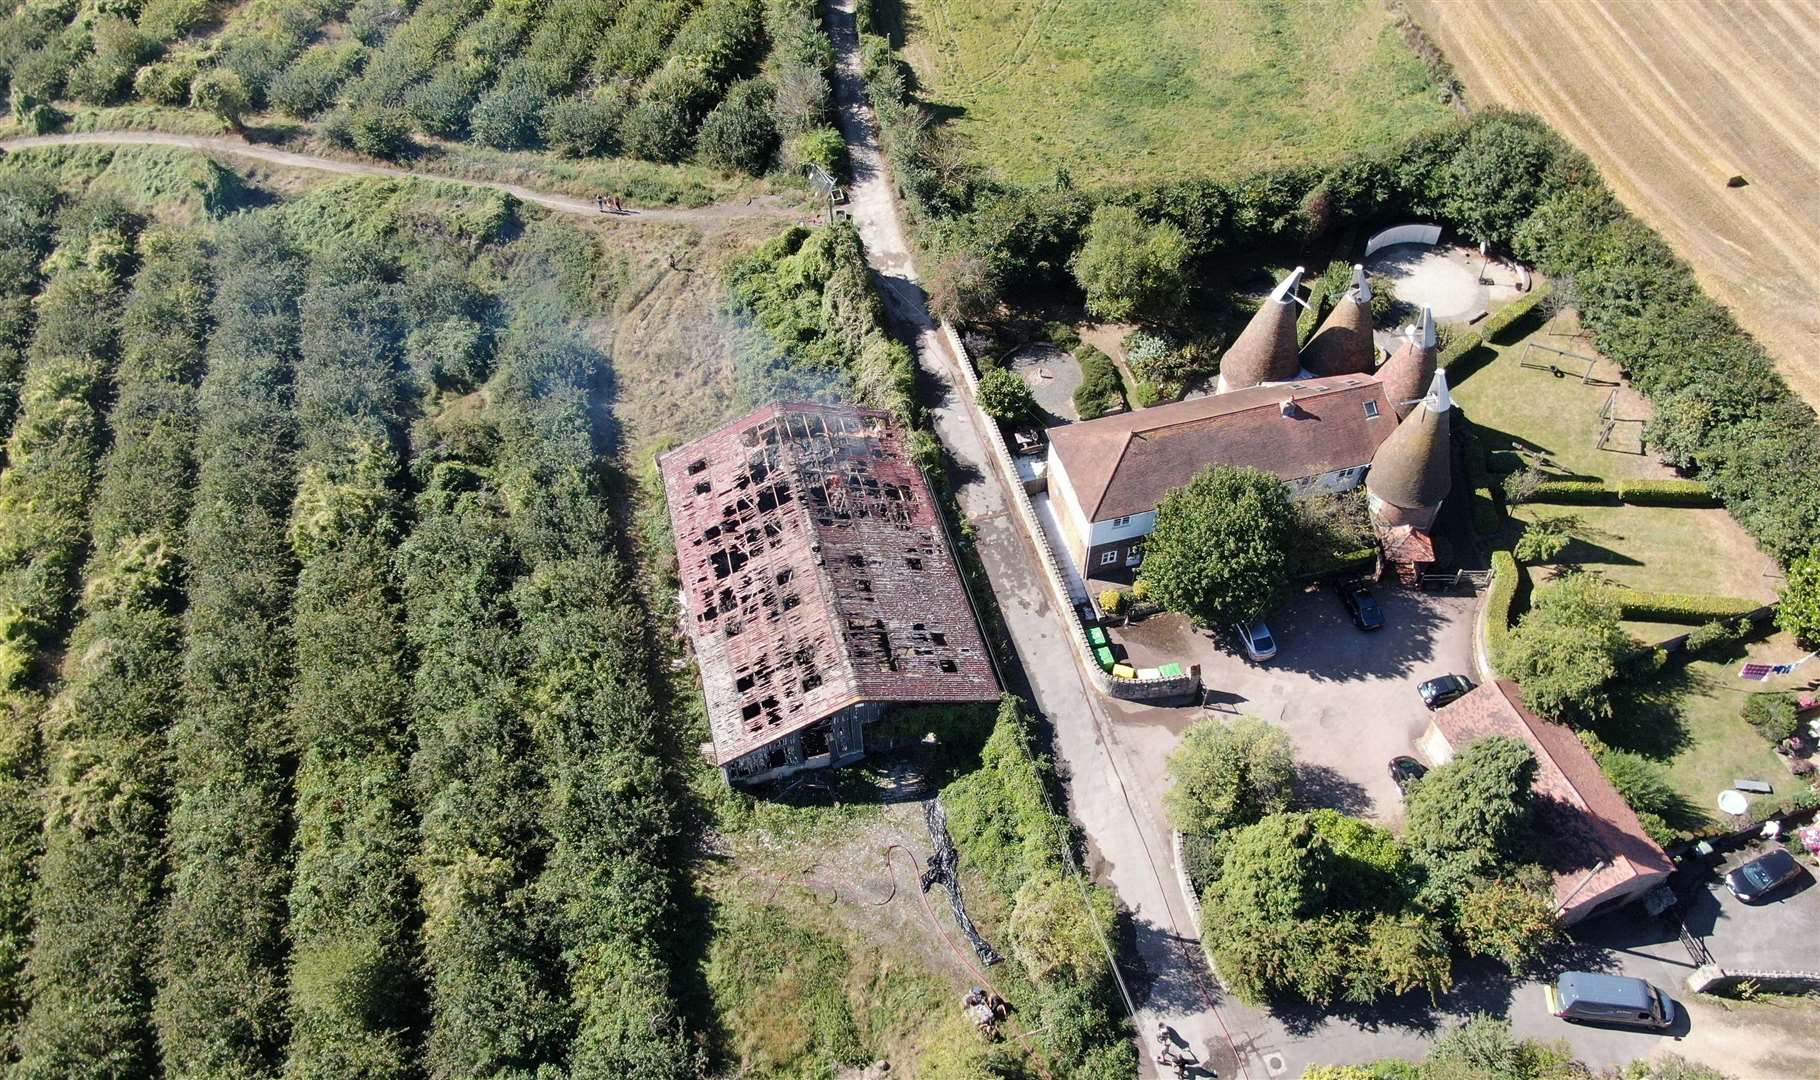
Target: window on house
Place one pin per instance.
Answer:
(1134, 556)
(1371, 410)
(1107, 558)
(1120, 522)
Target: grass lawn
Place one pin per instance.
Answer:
(1690, 719)
(1134, 90)
(1554, 422)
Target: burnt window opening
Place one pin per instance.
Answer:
(856, 560)
(949, 665)
(784, 575)
(811, 681)
(863, 586)
(914, 564)
(702, 487)
(815, 741)
(791, 601)
(750, 711)
(938, 639)
(744, 683)
(697, 466)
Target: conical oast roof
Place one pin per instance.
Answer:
(1266, 350)
(1343, 345)
(1409, 371)
(1411, 471)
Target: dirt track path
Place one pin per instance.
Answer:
(1671, 99)
(762, 206)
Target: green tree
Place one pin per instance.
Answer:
(1005, 397)
(1566, 649)
(740, 134)
(1545, 537)
(1220, 549)
(222, 92)
(1476, 808)
(1130, 269)
(1799, 611)
(1229, 774)
(1509, 918)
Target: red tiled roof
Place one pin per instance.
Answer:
(1125, 464)
(1407, 373)
(815, 574)
(1585, 819)
(1266, 349)
(1343, 344)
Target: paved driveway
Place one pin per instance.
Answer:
(1346, 698)
(1348, 701)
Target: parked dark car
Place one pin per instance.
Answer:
(1362, 606)
(1761, 876)
(1438, 692)
(1405, 771)
(1582, 997)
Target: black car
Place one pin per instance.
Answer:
(1438, 692)
(1362, 606)
(1758, 878)
(1405, 771)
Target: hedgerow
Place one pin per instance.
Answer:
(1577, 492)
(220, 1009)
(51, 459)
(1504, 601)
(95, 902)
(812, 294)
(610, 813)
(28, 205)
(1101, 390)
(1690, 493)
(1004, 827)
(353, 986)
(53, 450)
(1689, 609)
(495, 1001)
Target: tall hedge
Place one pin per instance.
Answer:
(611, 812)
(51, 459)
(494, 976)
(95, 904)
(353, 984)
(220, 1009)
(28, 206)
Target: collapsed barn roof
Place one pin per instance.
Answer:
(815, 574)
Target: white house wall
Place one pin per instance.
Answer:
(1068, 509)
(1111, 532)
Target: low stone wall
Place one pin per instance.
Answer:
(1725, 982)
(1123, 689)
(1403, 234)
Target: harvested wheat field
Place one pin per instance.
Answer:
(1672, 98)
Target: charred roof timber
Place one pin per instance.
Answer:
(815, 574)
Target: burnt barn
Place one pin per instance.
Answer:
(818, 589)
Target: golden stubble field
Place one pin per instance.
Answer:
(1671, 98)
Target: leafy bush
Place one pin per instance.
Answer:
(1646, 786)
(1773, 715)
(372, 130)
(28, 205)
(586, 126)
(506, 117)
(308, 86)
(1112, 601)
(1004, 396)
(105, 76)
(1227, 775)
(166, 82)
(822, 147)
(221, 91)
(1101, 390)
(739, 133)
(1511, 918)
(1798, 611)
(671, 103)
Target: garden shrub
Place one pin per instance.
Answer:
(1686, 608)
(739, 134)
(1691, 493)
(1575, 492)
(1772, 714)
(1504, 601)
(1101, 390)
(166, 82)
(1487, 519)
